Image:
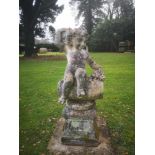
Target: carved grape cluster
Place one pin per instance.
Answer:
(98, 75)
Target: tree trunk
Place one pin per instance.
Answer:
(89, 18)
(29, 25)
(29, 41)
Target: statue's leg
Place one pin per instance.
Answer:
(66, 86)
(80, 75)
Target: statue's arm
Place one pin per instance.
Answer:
(98, 72)
(92, 63)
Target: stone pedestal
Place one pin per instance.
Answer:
(80, 123)
(79, 132)
(56, 147)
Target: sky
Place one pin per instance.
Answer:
(66, 19)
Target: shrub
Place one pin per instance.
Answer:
(50, 47)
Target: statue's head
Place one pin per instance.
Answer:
(79, 40)
(76, 38)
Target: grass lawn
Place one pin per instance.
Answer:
(39, 109)
(45, 54)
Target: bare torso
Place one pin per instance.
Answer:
(76, 59)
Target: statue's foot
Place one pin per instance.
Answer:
(62, 100)
(81, 93)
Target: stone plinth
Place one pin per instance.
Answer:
(56, 147)
(80, 123)
(79, 131)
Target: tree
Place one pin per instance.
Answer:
(33, 14)
(102, 39)
(90, 10)
(117, 25)
(126, 18)
(125, 8)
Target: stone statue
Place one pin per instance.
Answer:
(80, 130)
(79, 92)
(77, 55)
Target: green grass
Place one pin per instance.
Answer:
(45, 54)
(39, 109)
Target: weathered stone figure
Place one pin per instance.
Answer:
(77, 55)
(79, 91)
(79, 125)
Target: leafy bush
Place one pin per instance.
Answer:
(51, 47)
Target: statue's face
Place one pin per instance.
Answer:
(79, 41)
(76, 39)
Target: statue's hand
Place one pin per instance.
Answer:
(98, 74)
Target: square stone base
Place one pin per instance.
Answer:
(81, 132)
(56, 147)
